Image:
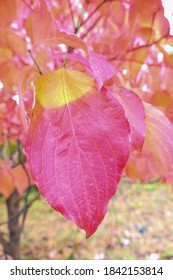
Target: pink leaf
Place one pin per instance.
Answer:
(76, 153)
(157, 153)
(135, 113)
(102, 69)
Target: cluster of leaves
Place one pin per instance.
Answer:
(92, 80)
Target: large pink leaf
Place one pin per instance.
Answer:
(77, 152)
(135, 113)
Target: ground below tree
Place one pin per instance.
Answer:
(138, 225)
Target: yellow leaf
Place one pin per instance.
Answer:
(62, 87)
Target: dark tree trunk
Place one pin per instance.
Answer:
(11, 241)
(13, 225)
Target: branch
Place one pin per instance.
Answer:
(90, 15)
(29, 6)
(141, 47)
(126, 59)
(27, 206)
(4, 242)
(86, 20)
(148, 45)
(22, 161)
(72, 14)
(23, 210)
(139, 62)
(91, 27)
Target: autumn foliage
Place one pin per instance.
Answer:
(87, 90)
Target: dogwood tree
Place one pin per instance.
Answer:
(86, 96)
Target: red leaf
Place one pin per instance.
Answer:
(20, 176)
(77, 152)
(102, 69)
(6, 182)
(135, 113)
(13, 178)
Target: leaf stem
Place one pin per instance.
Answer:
(65, 61)
(35, 62)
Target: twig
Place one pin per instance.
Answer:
(141, 47)
(154, 181)
(72, 14)
(138, 62)
(23, 210)
(36, 64)
(148, 45)
(26, 210)
(91, 27)
(65, 61)
(90, 15)
(15, 165)
(21, 162)
(29, 6)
